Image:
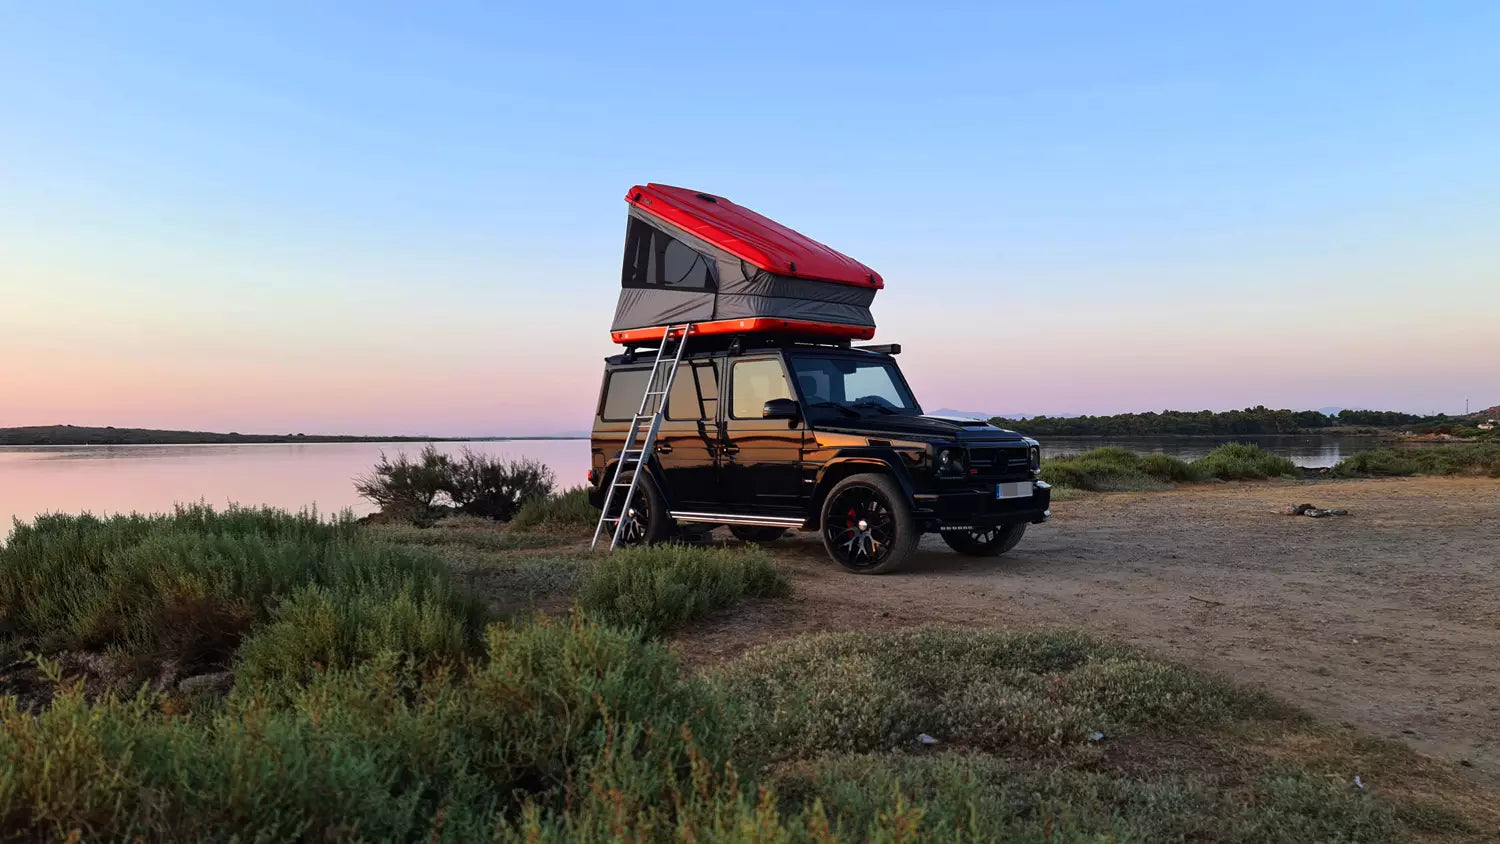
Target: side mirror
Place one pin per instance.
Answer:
(781, 409)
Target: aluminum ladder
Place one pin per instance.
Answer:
(630, 456)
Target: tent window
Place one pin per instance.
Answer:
(637, 254)
(654, 258)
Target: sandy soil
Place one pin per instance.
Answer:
(1387, 619)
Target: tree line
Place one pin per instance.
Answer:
(1251, 420)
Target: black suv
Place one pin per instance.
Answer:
(764, 436)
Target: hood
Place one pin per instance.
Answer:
(930, 427)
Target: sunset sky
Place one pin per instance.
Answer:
(408, 218)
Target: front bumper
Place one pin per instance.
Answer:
(977, 507)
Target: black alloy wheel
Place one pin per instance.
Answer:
(985, 542)
(645, 517)
(867, 524)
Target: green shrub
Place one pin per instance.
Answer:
(377, 753)
(567, 511)
(494, 488)
(1474, 459)
(421, 490)
(999, 692)
(661, 588)
(406, 488)
(188, 587)
(1114, 469)
(1168, 468)
(1243, 462)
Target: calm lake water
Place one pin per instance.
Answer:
(151, 478)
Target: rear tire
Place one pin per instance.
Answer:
(987, 542)
(647, 522)
(867, 524)
(757, 534)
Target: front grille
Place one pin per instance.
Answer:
(1010, 462)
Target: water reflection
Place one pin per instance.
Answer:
(151, 478)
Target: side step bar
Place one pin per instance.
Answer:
(731, 519)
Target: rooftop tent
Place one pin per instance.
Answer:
(695, 257)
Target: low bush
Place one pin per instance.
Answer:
(377, 753)
(493, 488)
(1000, 692)
(659, 589)
(963, 797)
(424, 489)
(1114, 469)
(1476, 459)
(186, 588)
(407, 489)
(566, 511)
(1243, 462)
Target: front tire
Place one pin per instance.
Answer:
(646, 519)
(985, 542)
(867, 524)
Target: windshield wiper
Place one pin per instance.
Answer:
(853, 414)
(880, 407)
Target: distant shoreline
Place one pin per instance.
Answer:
(71, 435)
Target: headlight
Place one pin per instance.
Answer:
(950, 462)
(1036, 457)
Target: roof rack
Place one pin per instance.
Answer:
(738, 343)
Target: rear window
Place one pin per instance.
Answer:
(622, 394)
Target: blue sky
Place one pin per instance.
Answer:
(407, 217)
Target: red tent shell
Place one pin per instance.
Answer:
(758, 240)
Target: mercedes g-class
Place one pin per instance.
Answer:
(764, 435)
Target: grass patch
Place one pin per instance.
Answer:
(371, 702)
(963, 797)
(1476, 459)
(185, 589)
(566, 730)
(569, 511)
(1030, 693)
(660, 589)
(1115, 469)
(462, 533)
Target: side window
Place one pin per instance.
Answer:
(622, 394)
(695, 393)
(755, 383)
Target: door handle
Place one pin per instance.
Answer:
(663, 448)
(729, 448)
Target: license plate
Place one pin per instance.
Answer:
(1019, 489)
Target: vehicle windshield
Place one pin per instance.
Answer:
(835, 386)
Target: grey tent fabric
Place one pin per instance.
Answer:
(671, 276)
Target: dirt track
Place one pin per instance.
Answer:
(1388, 619)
